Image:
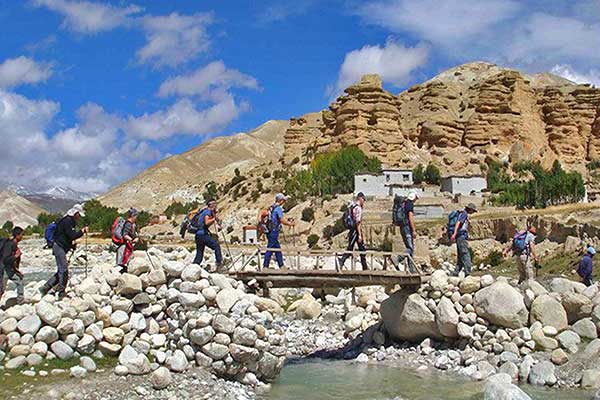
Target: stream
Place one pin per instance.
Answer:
(329, 380)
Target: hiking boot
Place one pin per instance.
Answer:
(61, 295)
(44, 290)
(20, 300)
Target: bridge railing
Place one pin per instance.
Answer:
(384, 259)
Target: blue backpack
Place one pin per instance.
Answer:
(452, 220)
(518, 242)
(197, 221)
(49, 234)
(348, 217)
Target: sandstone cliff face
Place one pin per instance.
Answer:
(459, 118)
(17, 209)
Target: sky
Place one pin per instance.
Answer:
(93, 92)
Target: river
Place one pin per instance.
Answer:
(335, 380)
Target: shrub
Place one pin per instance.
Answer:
(296, 160)
(211, 191)
(494, 259)
(229, 229)
(290, 204)
(308, 214)
(312, 240)
(331, 231)
(266, 175)
(254, 196)
(432, 174)
(594, 165)
(418, 174)
(331, 173)
(235, 239)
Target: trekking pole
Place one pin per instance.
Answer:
(86, 254)
(226, 245)
(150, 258)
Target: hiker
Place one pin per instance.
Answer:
(201, 222)
(64, 241)
(461, 237)
(276, 221)
(404, 217)
(9, 263)
(128, 238)
(355, 235)
(585, 266)
(523, 249)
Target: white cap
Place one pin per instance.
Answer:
(591, 250)
(412, 195)
(77, 208)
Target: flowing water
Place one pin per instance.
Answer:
(329, 380)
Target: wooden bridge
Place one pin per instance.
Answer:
(299, 272)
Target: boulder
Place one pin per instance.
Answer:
(47, 334)
(307, 308)
(569, 341)
(542, 341)
(549, 311)
(542, 374)
(502, 305)
(161, 378)
(113, 335)
(226, 298)
(156, 277)
(224, 324)
(78, 372)
(202, 336)
(29, 325)
(590, 379)
(215, 351)
(407, 317)
(243, 354)
(446, 318)
(16, 362)
(62, 350)
(119, 318)
(500, 387)
(470, 284)
(88, 364)
(439, 280)
(585, 328)
(270, 305)
(128, 285)
(192, 273)
(137, 364)
(138, 265)
(178, 362)
(174, 268)
(559, 357)
(563, 286)
(577, 305)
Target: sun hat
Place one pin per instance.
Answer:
(412, 195)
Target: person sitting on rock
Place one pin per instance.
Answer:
(584, 270)
(130, 238)
(523, 249)
(64, 241)
(202, 221)
(10, 259)
(461, 237)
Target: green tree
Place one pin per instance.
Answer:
(418, 174)
(8, 226)
(211, 191)
(312, 240)
(308, 214)
(432, 174)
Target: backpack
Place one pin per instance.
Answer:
(265, 222)
(49, 234)
(117, 230)
(518, 242)
(196, 223)
(399, 216)
(2, 243)
(452, 220)
(348, 217)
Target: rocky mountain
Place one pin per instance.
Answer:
(183, 177)
(456, 120)
(459, 118)
(18, 209)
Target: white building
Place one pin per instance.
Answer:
(465, 185)
(383, 185)
(250, 234)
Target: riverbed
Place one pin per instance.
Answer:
(329, 380)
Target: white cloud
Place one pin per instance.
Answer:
(184, 118)
(568, 72)
(438, 21)
(89, 17)
(210, 82)
(23, 70)
(393, 62)
(279, 11)
(174, 39)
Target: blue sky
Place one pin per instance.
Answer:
(92, 92)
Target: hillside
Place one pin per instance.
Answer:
(183, 177)
(459, 118)
(17, 209)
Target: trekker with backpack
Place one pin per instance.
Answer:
(353, 221)
(10, 259)
(458, 230)
(404, 217)
(585, 267)
(275, 221)
(64, 239)
(523, 249)
(124, 236)
(200, 223)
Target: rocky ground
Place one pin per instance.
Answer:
(173, 330)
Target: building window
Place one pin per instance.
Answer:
(406, 177)
(364, 179)
(387, 177)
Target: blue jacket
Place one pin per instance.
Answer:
(585, 266)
